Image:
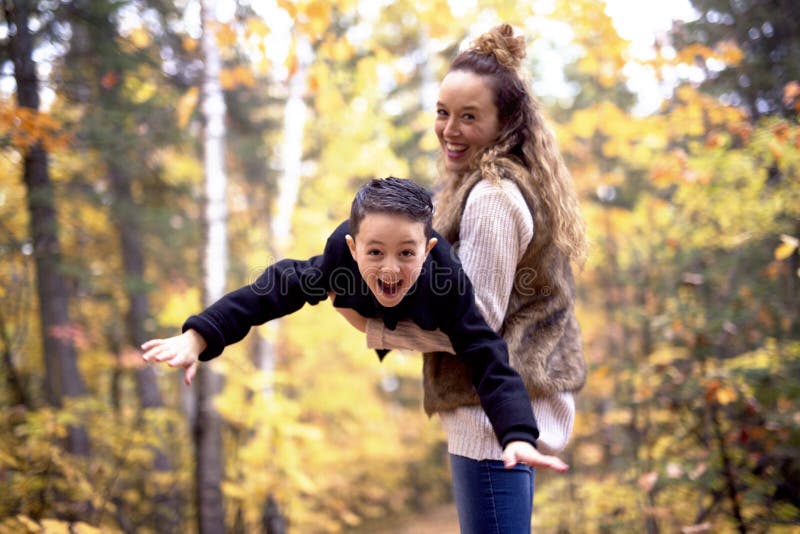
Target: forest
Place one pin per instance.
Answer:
(155, 154)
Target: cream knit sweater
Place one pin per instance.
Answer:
(495, 231)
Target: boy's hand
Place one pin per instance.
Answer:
(358, 321)
(177, 351)
(523, 452)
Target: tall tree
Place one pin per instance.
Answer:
(97, 67)
(209, 465)
(62, 377)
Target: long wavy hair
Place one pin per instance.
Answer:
(524, 142)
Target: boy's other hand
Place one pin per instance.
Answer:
(178, 351)
(523, 452)
(358, 321)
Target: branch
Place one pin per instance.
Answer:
(727, 470)
(15, 383)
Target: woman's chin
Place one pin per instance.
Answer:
(455, 166)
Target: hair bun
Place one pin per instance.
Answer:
(501, 43)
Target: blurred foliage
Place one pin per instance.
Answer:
(689, 304)
(765, 37)
(690, 420)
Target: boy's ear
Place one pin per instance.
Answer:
(351, 244)
(431, 243)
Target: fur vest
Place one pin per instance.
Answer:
(540, 328)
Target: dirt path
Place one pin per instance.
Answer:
(442, 520)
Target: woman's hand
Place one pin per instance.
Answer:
(523, 452)
(358, 321)
(177, 351)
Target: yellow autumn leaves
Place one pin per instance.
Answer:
(25, 128)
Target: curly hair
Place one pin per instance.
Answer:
(524, 141)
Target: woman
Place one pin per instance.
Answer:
(508, 204)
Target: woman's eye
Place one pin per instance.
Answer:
(468, 116)
(441, 113)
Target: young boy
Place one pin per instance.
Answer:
(385, 262)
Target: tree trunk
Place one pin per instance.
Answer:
(126, 221)
(167, 511)
(288, 188)
(273, 519)
(209, 467)
(62, 378)
(91, 59)
(291, 155)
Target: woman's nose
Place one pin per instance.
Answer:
(451, 127)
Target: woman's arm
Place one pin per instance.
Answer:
(406, 336)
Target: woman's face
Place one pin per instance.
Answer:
(466, 118)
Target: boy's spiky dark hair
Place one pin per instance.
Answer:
(397, 196)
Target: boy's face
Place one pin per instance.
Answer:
(389, 250)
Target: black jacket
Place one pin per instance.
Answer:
(441, 298)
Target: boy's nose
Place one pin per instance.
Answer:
(390, 267)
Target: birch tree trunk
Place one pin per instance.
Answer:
(209, 467)
(291, 155)
(62, 378)
(273, 520)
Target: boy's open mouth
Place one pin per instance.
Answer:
(390, 289)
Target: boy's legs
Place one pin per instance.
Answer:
(490, 498)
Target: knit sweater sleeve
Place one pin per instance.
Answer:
(496, 228)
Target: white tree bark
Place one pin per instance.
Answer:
(429, 89)
(213, 108)
(209, 464)
(294, 119)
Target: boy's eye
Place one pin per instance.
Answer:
(407, 253)
(373, 252)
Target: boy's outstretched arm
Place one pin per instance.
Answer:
(177, 351)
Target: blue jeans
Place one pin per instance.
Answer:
(490, 498)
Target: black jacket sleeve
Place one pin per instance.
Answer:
(281, 289)
(501, 390)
